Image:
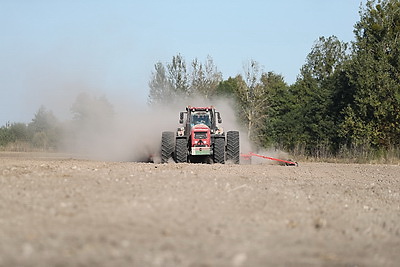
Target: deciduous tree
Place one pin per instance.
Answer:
(160, 87)
(373, 118)
(252, 100)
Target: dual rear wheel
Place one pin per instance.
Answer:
(171, 149)
(167, 146)
(233, 147)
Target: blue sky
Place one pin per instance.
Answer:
(50, 50)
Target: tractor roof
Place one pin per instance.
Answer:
(200, 108)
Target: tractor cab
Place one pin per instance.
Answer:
(200, 117)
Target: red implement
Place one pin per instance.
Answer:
(287, 162)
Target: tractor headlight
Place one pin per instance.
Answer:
(181, 131)
(219, 130)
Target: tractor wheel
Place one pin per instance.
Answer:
(167, 146)
(219, 150)
(181, 150)
(232, 147)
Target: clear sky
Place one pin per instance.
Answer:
(50, 50)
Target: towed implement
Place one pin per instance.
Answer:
(285, 162)
(200, 139)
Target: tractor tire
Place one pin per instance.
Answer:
(233, 147)
(167, 146)
(181, 150)
(219, 150)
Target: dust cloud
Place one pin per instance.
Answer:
(133, 133)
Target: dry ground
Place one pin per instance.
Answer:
(59, 211)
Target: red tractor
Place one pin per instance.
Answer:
(200, 139)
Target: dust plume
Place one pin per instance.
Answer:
(132, 132)
(128, 133)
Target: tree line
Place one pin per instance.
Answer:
(90, 115)
(345, 101)
(41, 133)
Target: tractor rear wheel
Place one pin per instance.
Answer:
(181, 150)
(219, 150)
(167, 146)
(233, 147)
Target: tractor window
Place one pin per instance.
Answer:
(201, 118)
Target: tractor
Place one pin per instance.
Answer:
(200, 139)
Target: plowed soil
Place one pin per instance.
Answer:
(60, 211)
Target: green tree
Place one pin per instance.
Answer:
(373, 118)
(178, 76)
(305, 119)
(170, 82)
(177, 80)
(262, 103)
(19, 131)
(44, 129)
(277, 94)
(5, 136)
(13, 132)
(43, 120)
(160, 88)
(327, 56)
(205, 78)
(252, 100)
(227, 88)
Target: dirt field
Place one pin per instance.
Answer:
(56, 211)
